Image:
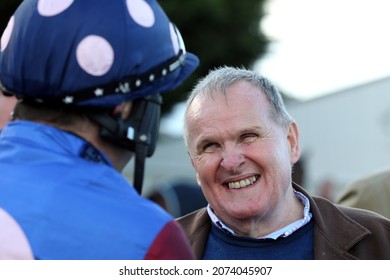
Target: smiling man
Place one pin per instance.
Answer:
(243, 145)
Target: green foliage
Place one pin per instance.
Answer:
(219, 32)
(7, 8)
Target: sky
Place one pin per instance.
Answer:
(323, 46)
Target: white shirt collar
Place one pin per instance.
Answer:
(283, 232)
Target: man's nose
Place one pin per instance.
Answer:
(232, 160)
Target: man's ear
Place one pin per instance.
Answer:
(292, 137)
(123, 110)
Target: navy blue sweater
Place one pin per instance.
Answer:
(224, 246)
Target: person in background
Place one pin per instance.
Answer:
(243, 145)
(178, 196)
(371, 192)
(88, 75)
(7, 104)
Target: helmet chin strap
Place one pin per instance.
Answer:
(138, 133)
(139, 167)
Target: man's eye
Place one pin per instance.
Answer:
(248, 137)
(210, 146)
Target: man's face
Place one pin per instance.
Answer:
(7, 104)
(241, 156)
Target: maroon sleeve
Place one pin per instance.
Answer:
(170, 244)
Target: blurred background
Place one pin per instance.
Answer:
(330, 60)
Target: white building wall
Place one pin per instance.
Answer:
(345, 135)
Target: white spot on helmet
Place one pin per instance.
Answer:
(141, 12)
(95, 55)
(174, 38)
(5, 38)
(50, 8)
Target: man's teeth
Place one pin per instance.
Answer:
(242, 183)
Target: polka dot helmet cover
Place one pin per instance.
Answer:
(92, 52)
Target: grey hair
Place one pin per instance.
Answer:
(220, 79)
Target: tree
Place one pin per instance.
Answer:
(7, 8)
(219, 32)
